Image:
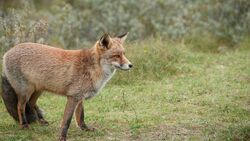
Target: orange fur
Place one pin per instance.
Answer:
(31, 68)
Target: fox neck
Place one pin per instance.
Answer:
(107, 73)
(102, 74)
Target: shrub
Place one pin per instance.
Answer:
(76, 23)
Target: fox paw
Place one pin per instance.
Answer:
(24, 126)
(88, 128)
(61, 138)
(43, 122)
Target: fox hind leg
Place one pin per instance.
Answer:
(21, 105)
(24, 92)
(35, 108)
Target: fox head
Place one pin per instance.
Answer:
(112, 53)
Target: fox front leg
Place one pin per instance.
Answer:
(79, 115)
(68, 113)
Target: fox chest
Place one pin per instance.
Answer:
(99, 84)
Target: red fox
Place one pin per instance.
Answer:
(31, 68)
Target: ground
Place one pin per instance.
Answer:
(207, 98)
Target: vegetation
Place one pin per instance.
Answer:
(74, 23)
(183, 95)
(191, 75)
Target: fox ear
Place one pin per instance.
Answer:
(123, 37)
(105, 41)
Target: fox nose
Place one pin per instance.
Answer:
(130, 65)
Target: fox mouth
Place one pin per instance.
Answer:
(124, 67)
(120, 68)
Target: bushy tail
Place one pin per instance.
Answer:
(10, 100)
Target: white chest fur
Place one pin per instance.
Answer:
(108, 72)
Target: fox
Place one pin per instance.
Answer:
(29, 69)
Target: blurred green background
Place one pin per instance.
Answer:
(74, 23)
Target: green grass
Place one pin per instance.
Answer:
(173, 93)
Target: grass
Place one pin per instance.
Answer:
(173, 93)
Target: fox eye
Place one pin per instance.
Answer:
(116, 56)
